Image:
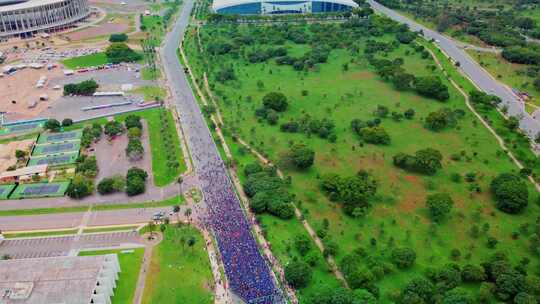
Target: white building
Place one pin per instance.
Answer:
(26, 18)
(66, 279)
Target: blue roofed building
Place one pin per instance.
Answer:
(258, 7)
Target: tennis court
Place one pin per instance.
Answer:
(5, 191)
(59, 137)
(40, 190)
(22, 128)
(55, 159)
(48, 149)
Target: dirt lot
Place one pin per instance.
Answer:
(111, 156)
(110, 25)
(21, 88)
(7, 152)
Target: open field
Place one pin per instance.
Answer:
(86, 61)
(398, 216)
(7, 152)
(130, 264)
(179, 273)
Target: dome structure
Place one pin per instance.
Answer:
(25, 18)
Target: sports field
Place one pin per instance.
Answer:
(40, 190)
(55, 159)
(59, 137)
(49, 149)
(22, 128)
(5, 190)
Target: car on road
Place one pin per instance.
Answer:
(158, 216)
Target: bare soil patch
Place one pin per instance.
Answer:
(7, 152)
(99, 30)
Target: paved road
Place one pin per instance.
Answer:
(528, 124)
(63, 245)
(208, 164)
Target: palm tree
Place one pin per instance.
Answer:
(176, 210)
(187, 214)
(151, 228)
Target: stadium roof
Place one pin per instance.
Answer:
(219, 4)
(26, 4)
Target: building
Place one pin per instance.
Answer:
(25, 18)
(66, 279)
(24, 174)
(257, 7)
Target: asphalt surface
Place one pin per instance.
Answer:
(208, 164)
(470, 67)
(63, 245)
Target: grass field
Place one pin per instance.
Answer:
(398, 217)
(151, 93)
(164, 174)
(22, 190)
(149, 74)
(86, 61)
(130, 265)
(49, 149)
(5, 190)
(179, 273)
(109, 229)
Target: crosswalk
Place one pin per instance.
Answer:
(62, 245)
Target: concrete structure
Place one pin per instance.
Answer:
(24, 174)
(26, 18)
(261, 7)
(66, 279)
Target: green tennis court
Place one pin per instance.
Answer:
(5, 191)
(21, 128)
(59, 137)
(40, 190)
(55, 159)
(49, 149)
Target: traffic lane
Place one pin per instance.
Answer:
(480, 77)
(42, 221)
(127, 216)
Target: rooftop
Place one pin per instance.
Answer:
(54, 280)
(25, 4)
(219, 4)
(39, 169)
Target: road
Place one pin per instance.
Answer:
(249, 275)
(470, 67)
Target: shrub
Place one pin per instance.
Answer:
(52, 125)
(118, 37)
(120, 52)
(403, 257)
(134, 149)
(276, 101)
(67, 122)
(83, 88)
(439, 206)
(510, 192)
(298, 274)
(80, 187)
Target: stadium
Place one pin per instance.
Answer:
(257, 7)
(25, 18)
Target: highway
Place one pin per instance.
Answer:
(472, 69)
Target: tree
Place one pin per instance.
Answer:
(510, 192)
(83, 88)
(276, 101)
(458, 296)
(20, 154)
(428, 161)
(302, 156)
(52, 125)
(105, 186)
(298, 274)
(118, 37)
(136, 172)
(134, 133)
(439, 206)
(403, 257)
(113, 128)
(473, 274)
(405, 37)
(120, 52)
(375, 135)
(431, 86)
(409, 114)
(418, 290)
(302, 244)
(134, 149)
(135, 186)
(80, 187)
(67, 122)
(133, 121)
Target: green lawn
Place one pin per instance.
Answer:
(164, 172)
(151, 93)
(86, 61)
(130, 265)
(149, 74)
(179, 273)
(398, 216)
